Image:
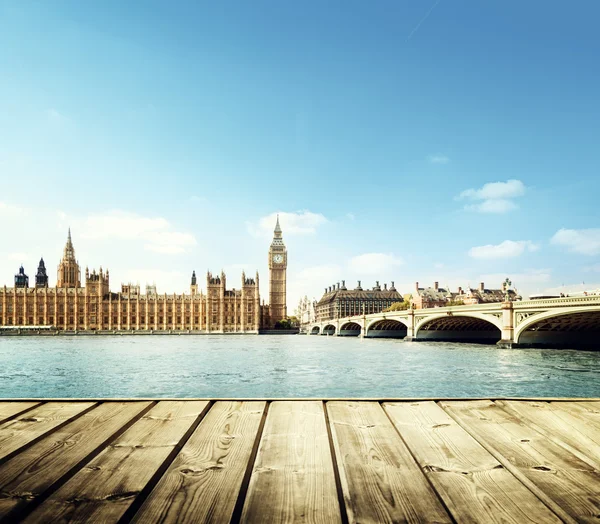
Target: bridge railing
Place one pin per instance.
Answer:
(562, 301)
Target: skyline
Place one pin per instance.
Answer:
(452, 144)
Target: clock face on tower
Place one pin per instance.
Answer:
(278, 259)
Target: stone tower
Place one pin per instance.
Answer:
(68, 270)
(21, 279)
(277, 277)
(194, 284)
(41, 278)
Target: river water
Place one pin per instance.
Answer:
(286, 366)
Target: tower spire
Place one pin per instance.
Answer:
(277, 228)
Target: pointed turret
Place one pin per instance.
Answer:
(194, 284)
(41, 278)
(68, 269)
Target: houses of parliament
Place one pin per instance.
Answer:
(71, 306)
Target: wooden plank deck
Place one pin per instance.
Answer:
(305, 460)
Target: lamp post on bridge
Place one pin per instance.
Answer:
(505, 287)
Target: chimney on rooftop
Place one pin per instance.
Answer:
(481, 287)
(459, 290)
(416, 286)
(385, 287)
(436, 285)
(338, 285)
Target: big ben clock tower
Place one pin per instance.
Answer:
(277, 277)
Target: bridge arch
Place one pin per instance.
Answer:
(386, 327)
(563, 327)
(460, 327)
(329, 329)
(350, 329)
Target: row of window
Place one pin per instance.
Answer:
(133, 320)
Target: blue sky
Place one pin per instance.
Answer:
(411, 141)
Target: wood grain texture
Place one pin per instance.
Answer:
(9, 409)
(563, 478)
(380, 480)
(105, 488)
(473, 484)
(558, 424)
(293, 478)
(587, 412)
(203, 482)
(18, 432)
(32, 471)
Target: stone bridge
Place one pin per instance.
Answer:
(557, 321)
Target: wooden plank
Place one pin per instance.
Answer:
(105, 488)
(587, 412)
(381, 481)
(473, 484)
(554, 474)
(32, 471)
(10, 409)
(203, 482)
(560, 425)
(293, 478)
(20, 431)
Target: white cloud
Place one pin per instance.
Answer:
(526, 280)
(492, 206)
(494, 197)
(439, 159)
(373, 263)
(9, 210)
(155, 232)
(593, 269)
(350, 216)
(310, 281)
(300, 223)
(582, 241)
(506, 249)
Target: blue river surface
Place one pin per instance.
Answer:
(285, 366)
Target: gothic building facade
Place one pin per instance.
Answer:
(93, 307)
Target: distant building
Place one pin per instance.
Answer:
(72, 307)
(440, 297)
(483, 295)
(306, 312)
(425, 297)
(338, 301)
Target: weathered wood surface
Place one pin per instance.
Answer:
(560, 425)
(293, 478)
(300, 461)
(32, 471)
(105, 488)
(381, 481)
(9, 410)
(472, 483)
(24, 429)
(203, 482)
(566, 480)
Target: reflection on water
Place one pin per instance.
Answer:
(286, 366)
